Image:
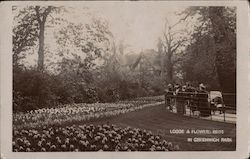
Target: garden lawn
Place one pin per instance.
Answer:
(160, 121)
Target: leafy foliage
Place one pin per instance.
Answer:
(213, 49)
(91, 66)
(25, 34)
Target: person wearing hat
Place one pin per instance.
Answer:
(180, 100)
(168, 96)
(176, 88)
(191, 93)
(203, 104)
(202, 87)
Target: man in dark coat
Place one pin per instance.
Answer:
(168, 96)
(203, 104)
(180, 100)
(191, 93)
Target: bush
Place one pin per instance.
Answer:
(86, 95)
(32, 90)
(22, 103)
(108, 95)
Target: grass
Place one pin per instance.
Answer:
(159, 121)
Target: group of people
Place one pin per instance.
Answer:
(187, 96)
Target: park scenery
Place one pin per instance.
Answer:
(124, 77)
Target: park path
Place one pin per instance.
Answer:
(160, 121)
(216, 116)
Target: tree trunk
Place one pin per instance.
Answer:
(169, 70)
(169, 65)
(41, 19)
(41, 47)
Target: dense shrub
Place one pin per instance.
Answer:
(33, 90)
(107, 95)
(86, 95)
(22, 103)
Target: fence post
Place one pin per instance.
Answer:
(224, 112)
(165, 95)
(190, 112)
(211, 113)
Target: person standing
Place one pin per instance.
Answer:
(203, 104)
(191, 92)
(180, 100)
(169, 96)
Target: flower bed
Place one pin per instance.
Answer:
(88, 138)
(75, 113)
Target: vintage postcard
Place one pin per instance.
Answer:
(127, 79)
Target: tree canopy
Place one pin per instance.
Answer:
(85, 62)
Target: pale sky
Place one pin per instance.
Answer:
(137, 24)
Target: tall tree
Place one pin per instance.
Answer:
(171, 42)
(41, 17)
(29, 32)
(216, 28)
(225, 40)
(86, 45)
(29, 28)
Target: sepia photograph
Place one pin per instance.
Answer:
(122, 77)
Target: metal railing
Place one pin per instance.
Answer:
(200, 105)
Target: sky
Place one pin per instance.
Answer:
(139, 25)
